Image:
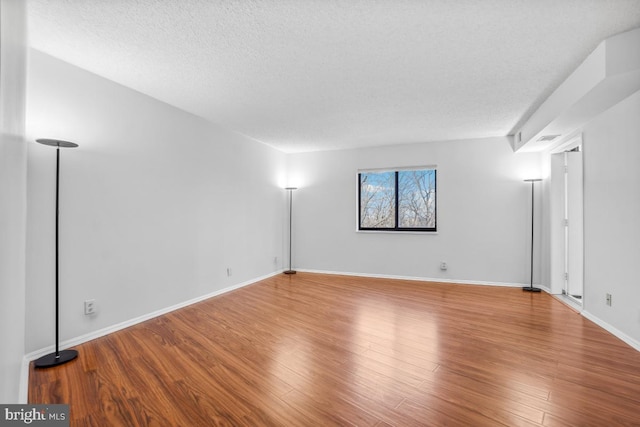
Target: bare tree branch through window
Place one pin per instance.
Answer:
(402, 200)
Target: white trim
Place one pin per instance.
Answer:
(541, 286)
(416, 278)
(24, 374)
(119, 326)
(614, 331)
(568, 145)
(383, 231)
(569, 302)
(399, 168)
(23, 392)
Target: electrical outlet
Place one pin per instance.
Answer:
(609, 300)
(229, 272)
(443, 265)
(89, 307)
(275, 260)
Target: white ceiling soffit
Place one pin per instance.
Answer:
(328, 74)
(610, 74)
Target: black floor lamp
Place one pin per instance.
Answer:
(531, 288)
(64, 356)
(290, 189)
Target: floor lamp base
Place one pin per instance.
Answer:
(289, 272)
(531, 289)
(54, 359)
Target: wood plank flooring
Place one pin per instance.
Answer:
(322, 350)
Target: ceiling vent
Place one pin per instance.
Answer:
(547, 138)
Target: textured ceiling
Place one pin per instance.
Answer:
(306, 75)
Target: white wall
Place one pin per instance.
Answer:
(611, 216)
(155, 204)
(483, 213)
(13, 196)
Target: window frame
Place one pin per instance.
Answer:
(396, 228)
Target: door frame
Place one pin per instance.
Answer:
(559, 251)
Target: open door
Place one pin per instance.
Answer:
(557, 224)
(567, 232)
(574, 225)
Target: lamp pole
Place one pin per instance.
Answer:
(58, 357)
(531, 288)
(290, 189)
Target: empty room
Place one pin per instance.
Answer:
(315, 213)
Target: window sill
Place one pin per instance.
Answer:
(422, 233)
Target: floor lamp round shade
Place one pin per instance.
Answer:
(57, 143)
(59, 356)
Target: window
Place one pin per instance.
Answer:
(402, 200)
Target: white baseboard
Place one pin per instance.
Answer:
(23, 392)
(614, 331)
(595, 319)
(417, 278)
(568, 302)
(24, 374)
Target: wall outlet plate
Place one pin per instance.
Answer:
(89, 307)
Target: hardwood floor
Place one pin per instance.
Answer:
(319, 350)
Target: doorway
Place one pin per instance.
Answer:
(567, 231)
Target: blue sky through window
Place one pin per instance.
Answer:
(412, 208)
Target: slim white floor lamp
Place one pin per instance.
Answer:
(58, 357)
(290, 190)
(531, 288)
